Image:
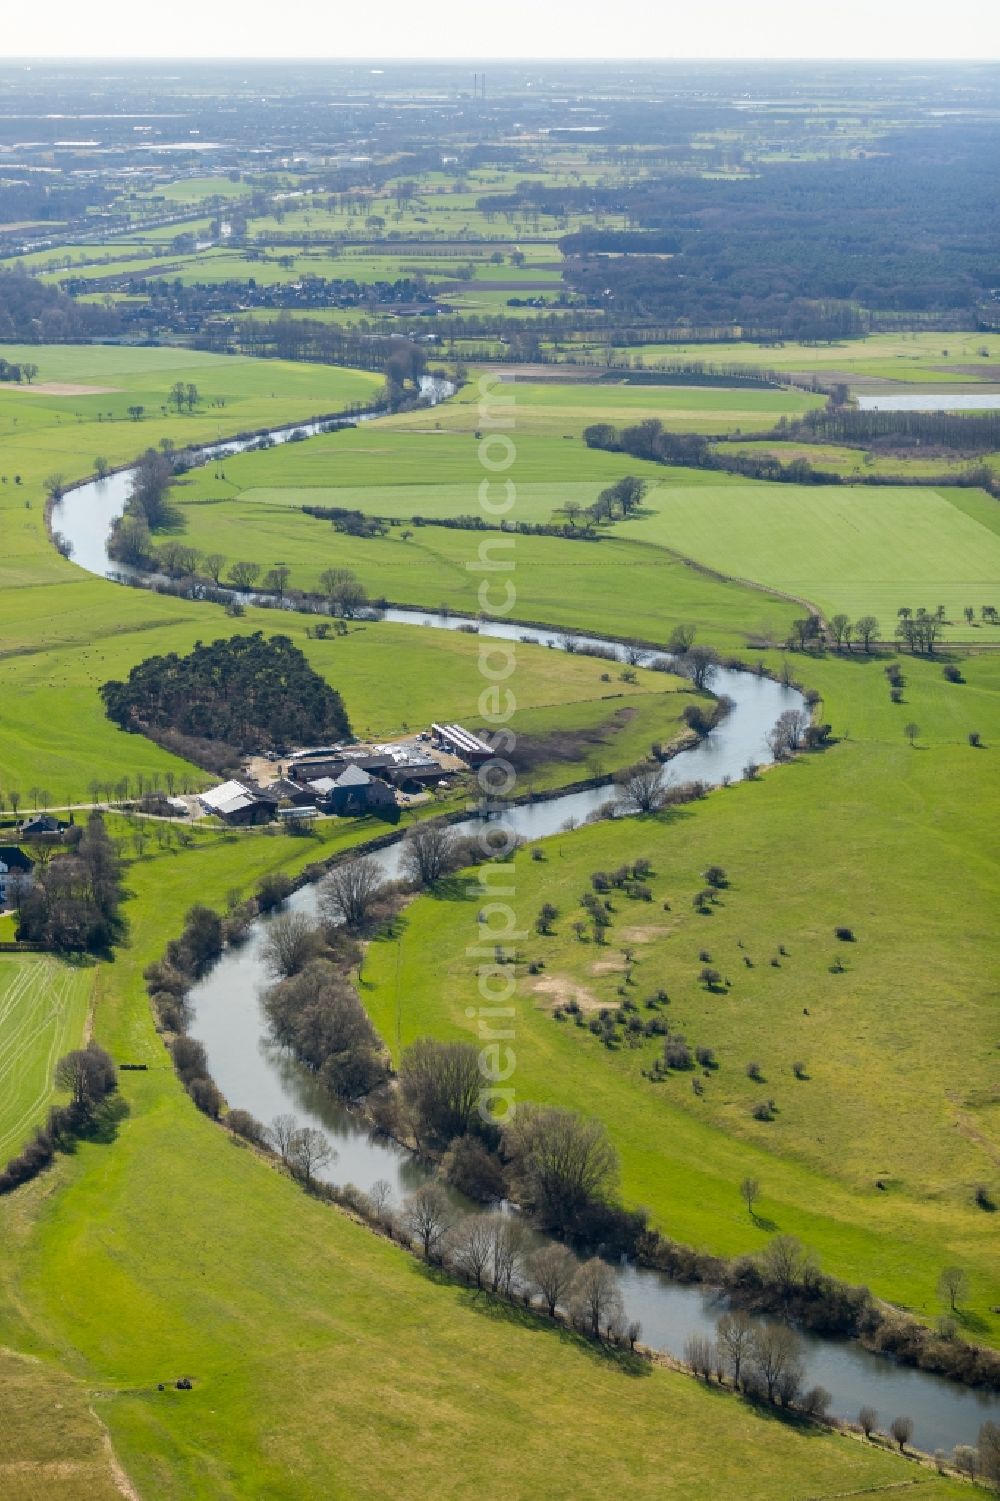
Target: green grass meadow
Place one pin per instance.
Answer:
(899, 1048)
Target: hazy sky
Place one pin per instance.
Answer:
(476, 29)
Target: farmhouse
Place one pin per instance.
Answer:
(355, 791)
(42, 823)
(309, 766)
(16, 869)
(238, 804)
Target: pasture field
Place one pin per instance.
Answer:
(924, 358)
(860, 550)
(857, 462)
(899, 1048)
(52, 1445)
(288, 1317)
(51, 431)
(561, 410)
(43, 1008)
(552, 575)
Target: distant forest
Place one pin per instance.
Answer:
(34, 313)
(247, 692)
(801, 249)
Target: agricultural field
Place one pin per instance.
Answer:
(43, 1008)
(873, 834)
(917, 358)
(563, 409)
(857, 550)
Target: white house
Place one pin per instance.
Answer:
(16, 869)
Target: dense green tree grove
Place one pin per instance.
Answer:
(247, 691)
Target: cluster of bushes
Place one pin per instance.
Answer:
(975, 432)
(88, 1074)
(352, 523)
(650, 440)
(316, 1013)
(204, 936)
(192, 1070)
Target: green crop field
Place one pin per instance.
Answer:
(43, 1007)
(565, 410)
(899, 1048)
(860, 550)
(924, 358)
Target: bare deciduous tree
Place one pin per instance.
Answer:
(440, 1083)
(560, 1162)
(750, 1191)
(868, 1421)
(429, 852)
(699, 1353)
(952, 1285)
(774, 1355)
(380, 1197)
(290, 943)
(734, 1335)
(698, 663)
(642, 788)
(280, 1133)
(427, 1215)
(595, 1297)
(509, 1235)
(551, 1270)
(470, 1246)
(901, 1429)
(350, 892)
(788, 733)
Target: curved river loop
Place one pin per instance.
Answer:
(255, 1074)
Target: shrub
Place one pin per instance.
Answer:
(755, 1072)
(985, 1199)
(274, 889)
(846, 935)
(975, 739)
(470, 1167)
(763, 1110)
(952, 675)
(816, 1402)
(676, 1053)
(189, 1059)
(901, 1429)
(868, 1421)
(896, 694)
(206, 1096)
(799, 1070)
(706, 1057)
(242, 1123)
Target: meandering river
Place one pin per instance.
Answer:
(257, 1076)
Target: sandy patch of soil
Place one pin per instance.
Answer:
(648, 934)
(60, 388)
(559, 990)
